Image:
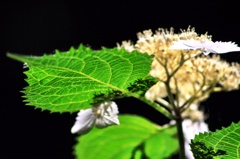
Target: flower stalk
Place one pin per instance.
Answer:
(180, 135)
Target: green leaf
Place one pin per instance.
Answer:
(222, 144)
(162, 144)
(134, 138)
(79, 78)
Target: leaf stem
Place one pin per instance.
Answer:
(156, 106)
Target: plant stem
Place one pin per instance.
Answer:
(180, 136)
(159, 108)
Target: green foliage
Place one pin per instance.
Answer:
(134, 138)
(76, 79)
(222, 144)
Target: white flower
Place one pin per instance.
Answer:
(101, 116)
(206, 46)
(190, 129)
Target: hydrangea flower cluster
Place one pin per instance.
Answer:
(185, 75)
(191, 75)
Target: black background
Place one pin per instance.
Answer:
(37, 27)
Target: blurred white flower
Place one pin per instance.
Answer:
(206, 46)
(190, 129)
(102, 115)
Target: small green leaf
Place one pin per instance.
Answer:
(134, 138)
(79, 78)
(222, 144)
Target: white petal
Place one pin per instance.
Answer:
(223, 47)
(103, 115)
(179, 45)
(107, 121)
(108, 116)
(84, 121)
(196, 44)
(112, 108)
(206, 46)
(191, 44)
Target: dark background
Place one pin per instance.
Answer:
(37, 27)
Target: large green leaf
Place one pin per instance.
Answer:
(76, 79)
(222, 144)
(134, 138)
